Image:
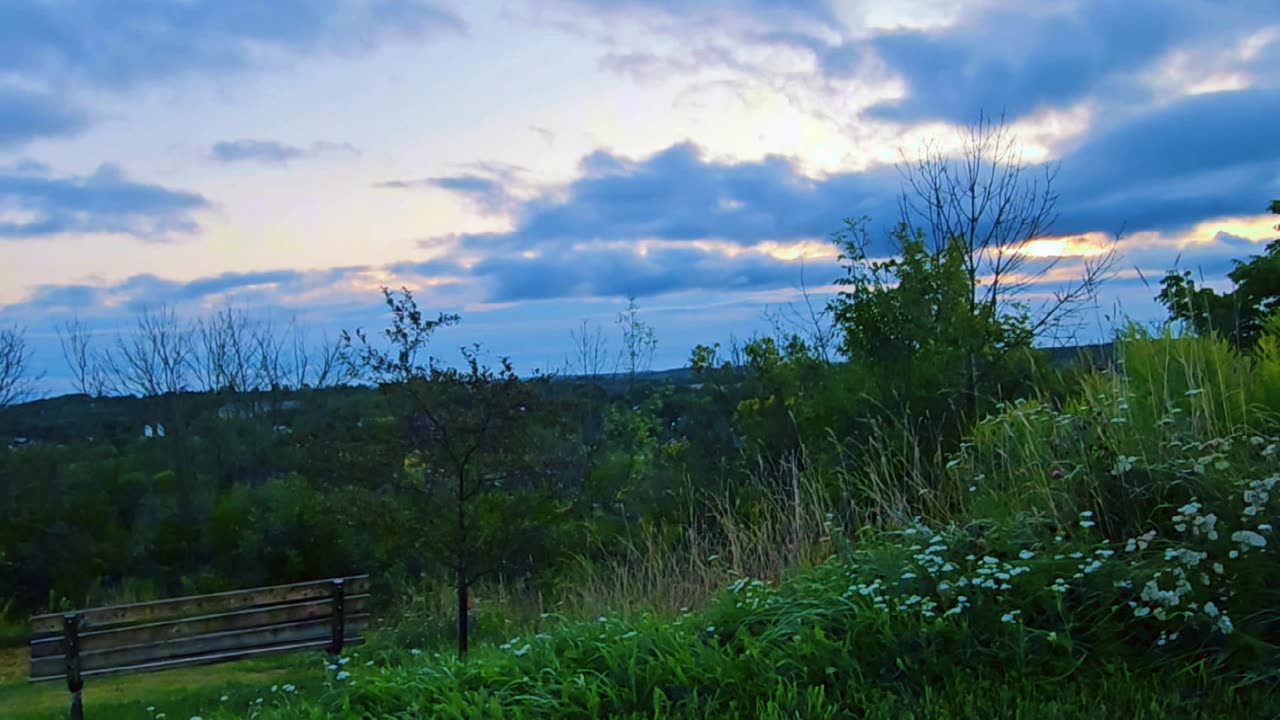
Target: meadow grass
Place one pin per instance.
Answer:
(1110, 556)
(178, 694)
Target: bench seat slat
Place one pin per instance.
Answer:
(201, 625)
(116, 615)
(286, 634)
(210, 659)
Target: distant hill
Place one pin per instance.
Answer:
(67, 418)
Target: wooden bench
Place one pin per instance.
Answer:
(197, 630)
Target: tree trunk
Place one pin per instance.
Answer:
(462, 568)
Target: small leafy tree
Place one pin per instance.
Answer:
(470, 434)
(639, 342)
(1238, 314)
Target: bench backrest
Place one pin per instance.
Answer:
(201, 629)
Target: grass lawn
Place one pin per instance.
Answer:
(179, 693)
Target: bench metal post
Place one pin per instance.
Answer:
(71, 641)
(339, 618)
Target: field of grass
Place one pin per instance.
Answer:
(1113, 557)
(178, 694)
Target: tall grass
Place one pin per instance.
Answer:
(778, 524)
(1111, 556)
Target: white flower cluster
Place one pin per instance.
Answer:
(755, 593)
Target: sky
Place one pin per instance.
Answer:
(529, 164)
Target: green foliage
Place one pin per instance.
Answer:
(916, 325)
(1238, 314)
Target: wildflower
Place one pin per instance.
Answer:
(711, 628)
(343, 661)
(222, 699)
(908, 575)
(1142, 611)
(1249, 538)
(1224, 625)
(1009, 616)
(522, 651)
(342, 676)
(289, 687)
(1265, 527)
(1211, 609)
(1026, 554)
(275, 688)
(1087, 523)
(415, 652)
(1104, 553)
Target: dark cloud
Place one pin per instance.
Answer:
(619, 272)
(271, 151)
(117, 43)
(26, 115)
(107, 201)
(1204, 156)
(1126, 176)
(1020, 59)
(62, 48)
(487, 186)
(677, 195)
(233, 281)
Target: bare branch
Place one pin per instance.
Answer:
(590, 351)
(86, 365)
(155, 357)
(17, 383)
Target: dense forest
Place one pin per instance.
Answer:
(912, 425)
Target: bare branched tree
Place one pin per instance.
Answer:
(228, 354)
(590, 351)
(993, 203)
(88, 371)
(156, 357)
(17, 381)
(273, 369)
(327, 367)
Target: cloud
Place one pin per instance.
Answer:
(1022, 59)
(1204, 156)
(488, 185)
(35, 204)
(677, 194)
(820, 11)
(582, 238)
(27, 115)
(59, 49)
(488, 194)
(118, 43)
(271, 151)
(621, 271)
